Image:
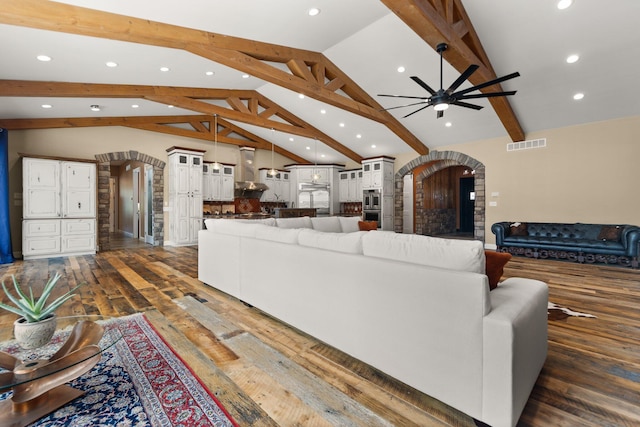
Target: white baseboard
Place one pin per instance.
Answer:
(491, 246)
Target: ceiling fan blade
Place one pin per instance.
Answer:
(419, 109)
(440, 114)
(406, 105)
(463, 77)
(423, 84)
(467, 105)
(486, 84)
(402, 96)
(487, 95)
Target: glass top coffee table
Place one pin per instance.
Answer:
(38, 377)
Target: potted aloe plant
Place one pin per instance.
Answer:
(37, 321)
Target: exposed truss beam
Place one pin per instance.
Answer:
(438, 21)
(201, 127)
(310, 72)
(245, 106)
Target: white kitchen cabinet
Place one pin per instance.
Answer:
(185, 195)
(59, 208)
(377, 173)
(343, 187)
(350, 186)
(279, 186)
(218, 184)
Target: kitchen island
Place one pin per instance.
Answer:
(294, 212)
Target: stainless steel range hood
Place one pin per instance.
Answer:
(246, 187)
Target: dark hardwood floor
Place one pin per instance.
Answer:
(266, 373)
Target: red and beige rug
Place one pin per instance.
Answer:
(138, 382)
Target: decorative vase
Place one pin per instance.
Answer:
(36, 334)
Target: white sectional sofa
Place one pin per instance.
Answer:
(416, 307)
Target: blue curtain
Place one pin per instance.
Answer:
(5, 226)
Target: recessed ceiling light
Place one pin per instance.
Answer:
(111, 64)
(43, 58)
(245, 76)
(323, 111)
(308, 148)
(46, 106)
(341, 125)
(169, 106)
(448, 124)
(291, 139)
(401, 69)
(135, 106)
(321, 155)
(209, 73)
(578, 96)
(373, 146)
(301, 96)
(314, 11)
(563, 4)
(164, 69)
(358, 136)
(95, 107)
(572, 58)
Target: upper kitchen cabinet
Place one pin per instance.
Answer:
(218, 183)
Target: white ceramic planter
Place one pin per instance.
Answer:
(34, 335)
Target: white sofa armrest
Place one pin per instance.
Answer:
(514, 348)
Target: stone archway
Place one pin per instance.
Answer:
(442, 160)
(104, 172)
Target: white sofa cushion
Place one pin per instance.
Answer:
(234, 227)
(465, 255)
(328, 224)
(302, 222)
(350, 243)
(276, 234)
(349, 224)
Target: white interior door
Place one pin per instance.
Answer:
(136, 203)
(148, 197)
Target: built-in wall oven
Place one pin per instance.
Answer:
(371, 206)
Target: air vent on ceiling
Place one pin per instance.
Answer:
(526, 145)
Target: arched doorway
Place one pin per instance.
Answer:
(440, 160)
(104, 171)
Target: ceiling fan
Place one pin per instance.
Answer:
(441, 99)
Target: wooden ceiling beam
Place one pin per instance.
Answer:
(438, 21)
(246, 55)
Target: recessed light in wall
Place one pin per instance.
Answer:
(95, 107)
(448, 124)
(164, 69)
(314, 11)
(578, 96)
(135, 106)
(209, 73)
(563, 4)
(47, 106)
(323, 111)
(341, 125)
(111, 64)
(43, 58)
(401, 69)
(572, 59)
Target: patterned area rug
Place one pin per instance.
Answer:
(138, 382)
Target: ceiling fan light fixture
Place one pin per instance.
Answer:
(441, 107)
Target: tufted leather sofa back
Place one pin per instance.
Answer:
(569, 231)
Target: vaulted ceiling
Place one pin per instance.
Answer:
(272, 73)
